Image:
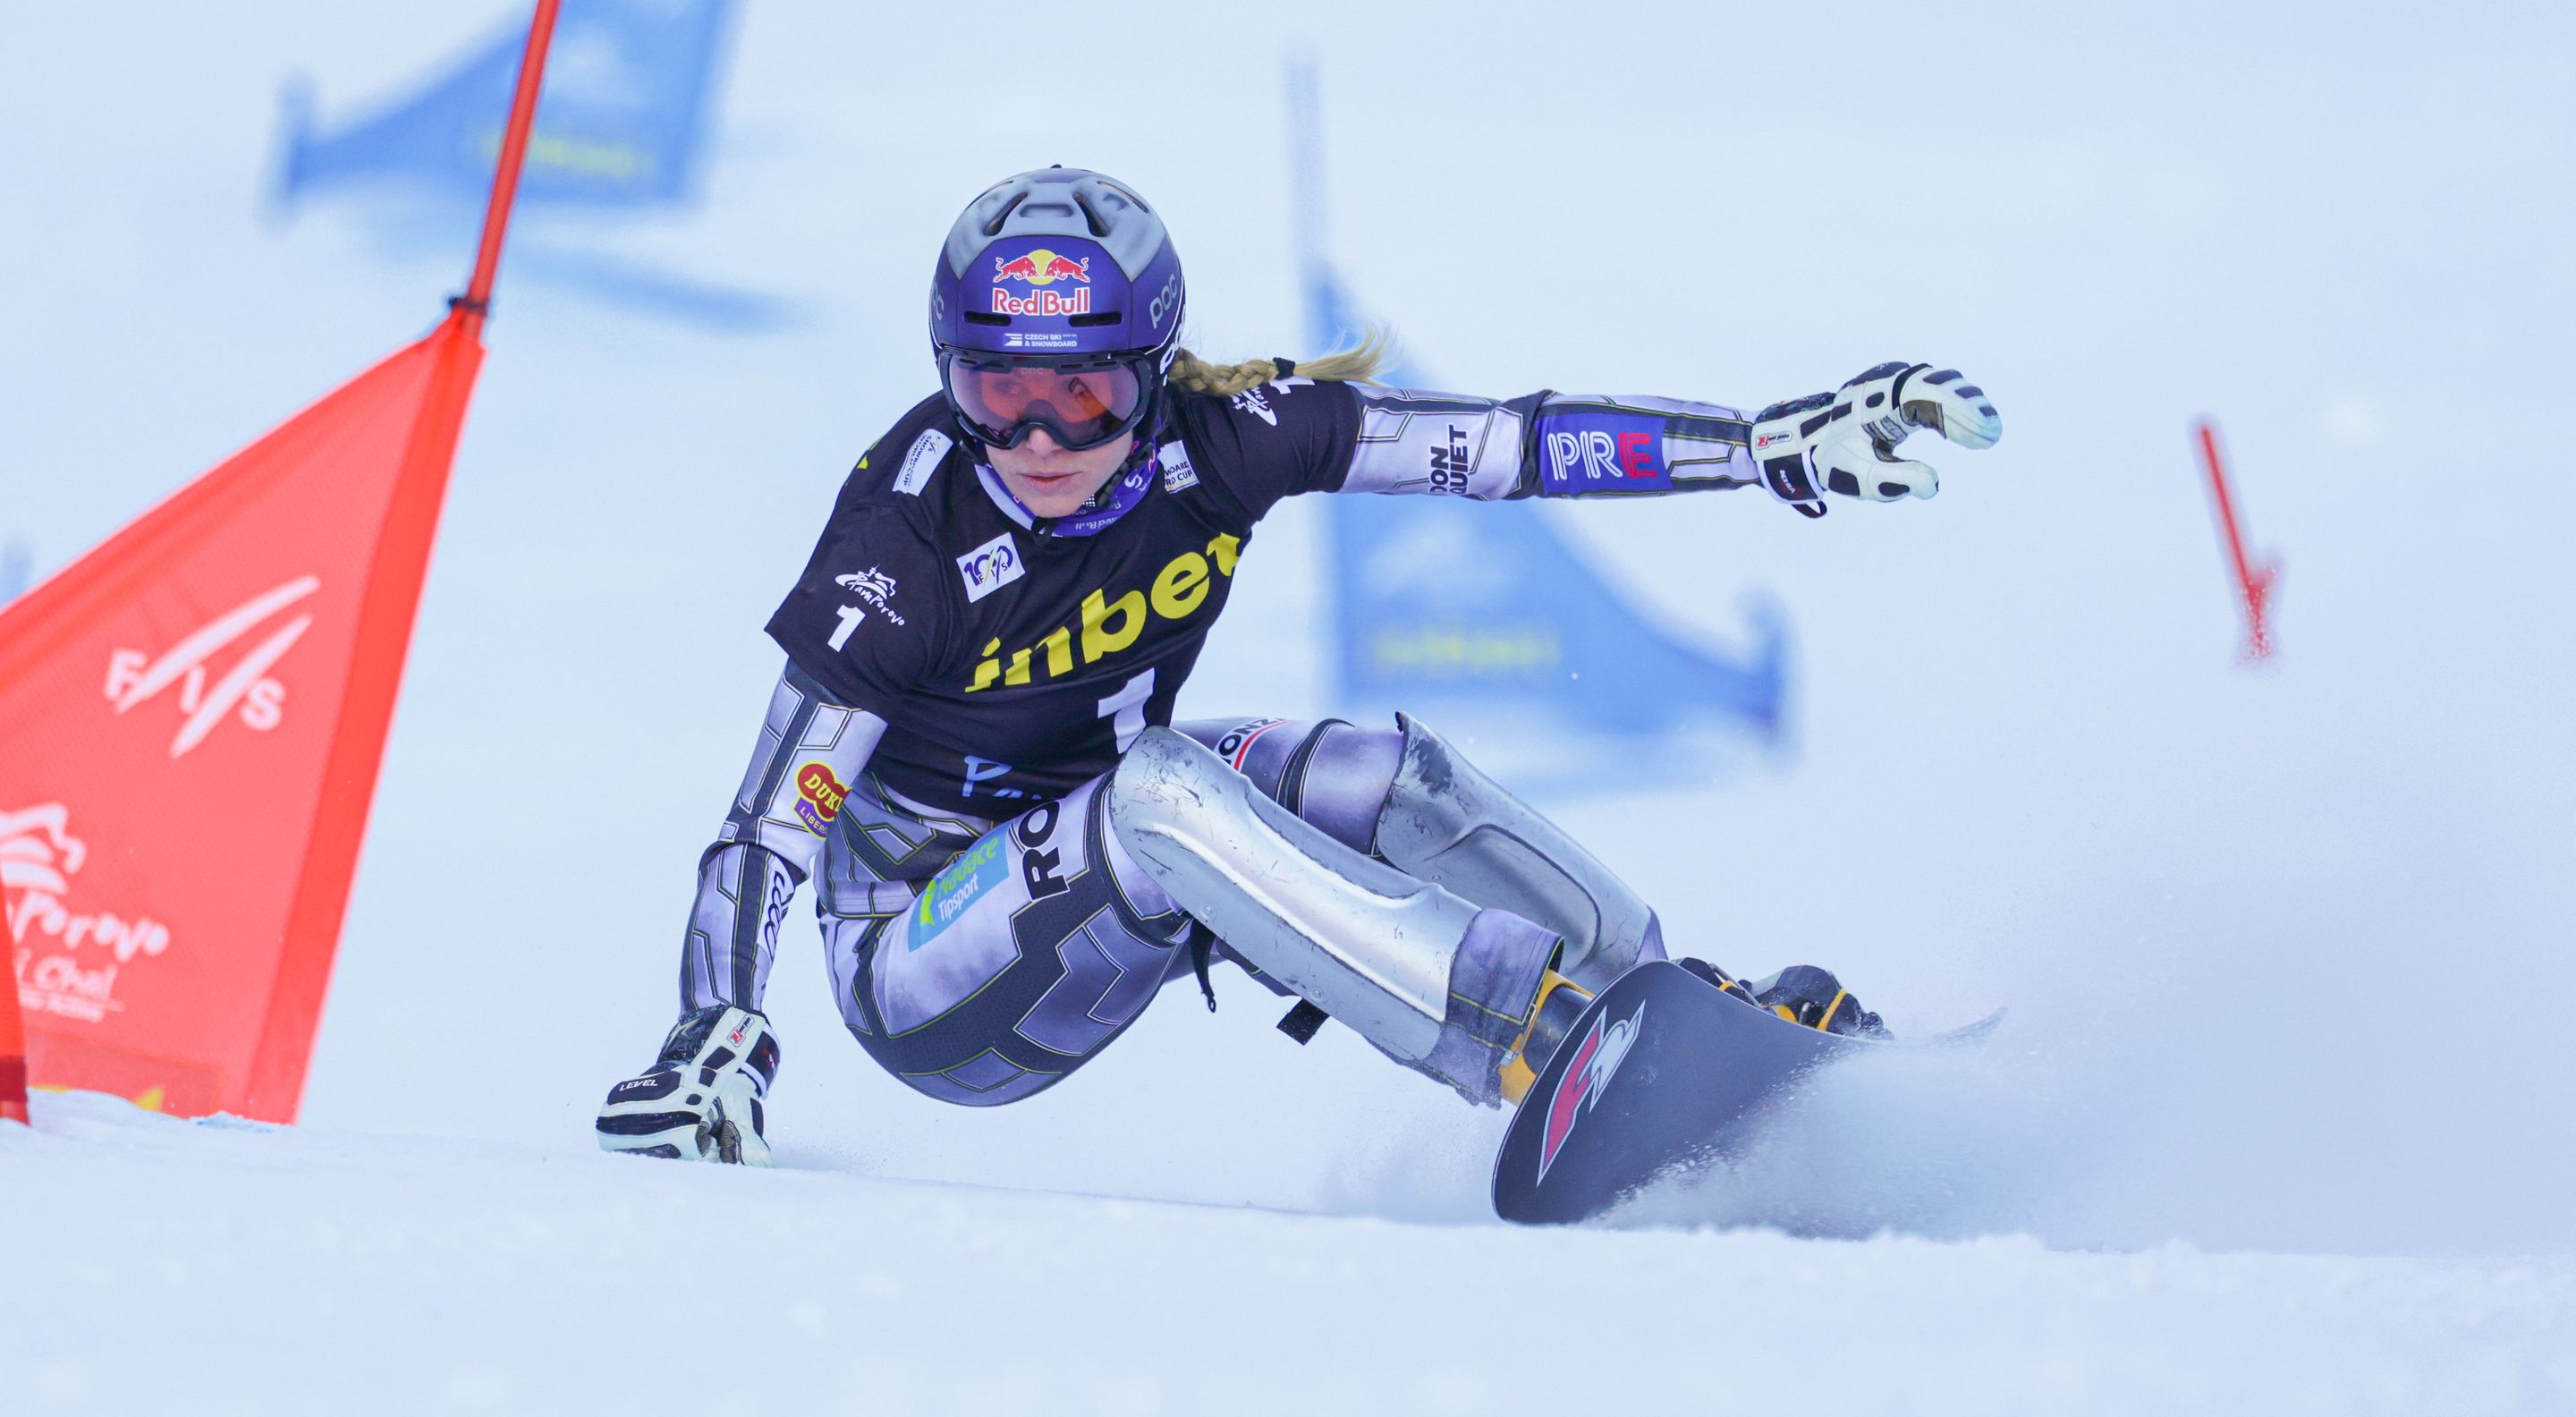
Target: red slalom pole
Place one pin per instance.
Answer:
(13, 1055)
(319, 537)
(477, 299)
(2254, 582)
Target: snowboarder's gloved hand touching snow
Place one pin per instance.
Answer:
(1845, 442)
(701, 1099)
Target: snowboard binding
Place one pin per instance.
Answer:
(1674, 1064)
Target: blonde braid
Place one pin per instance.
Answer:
(1358, 364)
(1200, 377)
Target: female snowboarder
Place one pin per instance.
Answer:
(970, 750)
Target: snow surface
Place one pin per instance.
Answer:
(326, 1270)
(2278, 1122)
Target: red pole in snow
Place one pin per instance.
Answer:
(2254, 582)
(477, 299)
(13, 1054)
(326, 526)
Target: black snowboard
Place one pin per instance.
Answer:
(1663, 1068)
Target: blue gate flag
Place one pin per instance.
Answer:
(1482, 619)
(1480, 614)
(17, 568)
(621, 122)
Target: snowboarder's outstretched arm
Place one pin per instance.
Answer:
(1602, 445)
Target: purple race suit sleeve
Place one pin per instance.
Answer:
(1544, 445)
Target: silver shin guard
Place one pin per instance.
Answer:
(1433, 981)
(1446, 821)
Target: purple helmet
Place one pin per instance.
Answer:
(1056, 304)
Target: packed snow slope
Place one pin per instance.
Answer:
(2279, 1119)
(330, 1271)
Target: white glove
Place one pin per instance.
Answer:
(1845, 442)
(701, 1100)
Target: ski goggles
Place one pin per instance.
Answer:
(1081, 401)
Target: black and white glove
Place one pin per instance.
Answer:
(1845, 442)
(701, 1099)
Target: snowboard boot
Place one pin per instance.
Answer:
(1802, 994)
(1813, 998)
(1720, 978)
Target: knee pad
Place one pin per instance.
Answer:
(1334, 775)
(1435, 981)
(1446, 821)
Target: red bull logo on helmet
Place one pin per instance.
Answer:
(1038, 269)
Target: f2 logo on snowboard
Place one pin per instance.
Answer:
(1586, 1077)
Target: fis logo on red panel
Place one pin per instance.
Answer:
(1037, 270)
(242, 689)
(1595, 1061)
